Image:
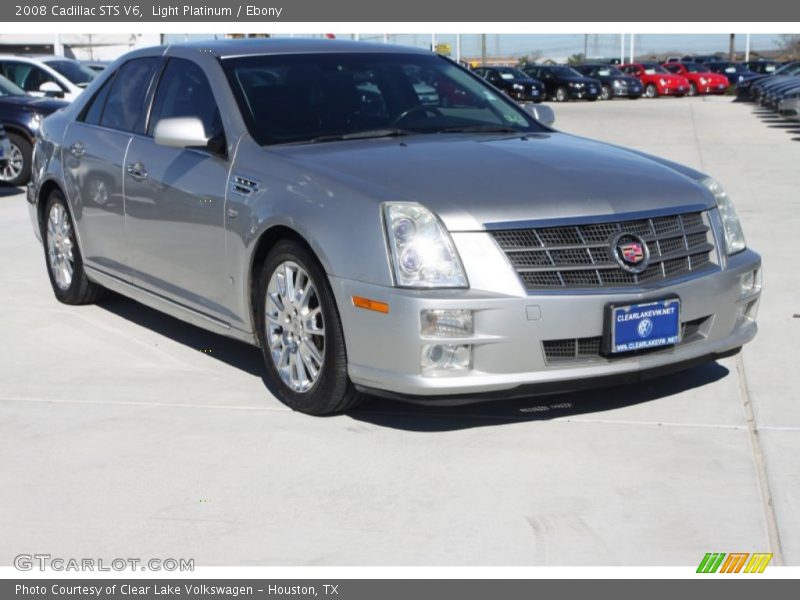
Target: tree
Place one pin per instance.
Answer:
(529, 59)
(789, 43)
(576, 59)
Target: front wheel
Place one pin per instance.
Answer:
(561, 94)
(651, 91)
(301, 333)
(63, 256)
(606, 93)
(692, 89)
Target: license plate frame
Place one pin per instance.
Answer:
(664, 330)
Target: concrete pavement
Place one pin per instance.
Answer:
(124, 432)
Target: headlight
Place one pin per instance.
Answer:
(423, 253)
(702, 81)
(662, 81)
(518, 86)
(734, 236)
(575, 84)
(619, 83)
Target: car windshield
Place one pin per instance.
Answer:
(74, 71)
(609, 72)
(695, 68)
(296, 98)
(653, 69)
(512, 74)
(8, 88)
(564, 72)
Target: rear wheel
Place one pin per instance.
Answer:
(606, 93)
(301, 333)
(561, 94)
(692, 89)
(651, 91)
(63, 256)
(18, 170)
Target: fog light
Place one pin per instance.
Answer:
(446, 323)
(446, 357)
(750, 282)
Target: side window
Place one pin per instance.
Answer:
(184, 91)
(124, 108)
(27, 76)
(94, 111)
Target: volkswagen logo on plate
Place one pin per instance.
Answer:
(645, 328)
(630, 252)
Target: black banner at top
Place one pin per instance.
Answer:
(259, 11)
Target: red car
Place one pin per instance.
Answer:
(701, 80)
(657, 81)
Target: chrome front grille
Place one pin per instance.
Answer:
(580, 256)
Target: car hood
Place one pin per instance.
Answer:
(586, 80)
(44, 106)
(471, 181)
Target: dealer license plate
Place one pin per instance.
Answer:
(643, 326)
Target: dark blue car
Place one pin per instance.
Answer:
(21, 114)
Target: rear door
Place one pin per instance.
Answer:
(175, 199)
(93, 154)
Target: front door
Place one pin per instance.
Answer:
(175, 199)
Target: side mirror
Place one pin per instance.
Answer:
(52, 89)
(181, 132)
(543, 114)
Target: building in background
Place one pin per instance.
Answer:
(86, 46)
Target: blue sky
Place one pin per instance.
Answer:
(561, 45)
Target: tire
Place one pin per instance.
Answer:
(561, 95)
(288, 340)
(651, 91)
(692, 89)
(607, 93)
(18, 171)
(60, 243)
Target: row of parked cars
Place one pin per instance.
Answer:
(778, 90)
(687, 76)
(31, 88)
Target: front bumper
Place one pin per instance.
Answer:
(508, 358)
(627, 92)
(668, 90)
(583, 93)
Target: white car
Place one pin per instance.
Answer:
(46, 75)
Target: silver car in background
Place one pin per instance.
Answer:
(299, 195)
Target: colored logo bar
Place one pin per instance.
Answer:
(734, 562)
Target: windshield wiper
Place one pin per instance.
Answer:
(362, 135)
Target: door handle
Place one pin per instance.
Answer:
(137, 171)
(77, 149)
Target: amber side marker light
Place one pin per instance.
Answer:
(361, 302)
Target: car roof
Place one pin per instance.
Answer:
(253, 47)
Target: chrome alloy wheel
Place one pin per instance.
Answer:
(295, 326)
(15, 163)
(60, 246)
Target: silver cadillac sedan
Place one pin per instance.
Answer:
(379, 220)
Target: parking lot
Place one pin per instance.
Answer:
(124, 432)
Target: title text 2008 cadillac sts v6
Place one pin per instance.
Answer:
(378, 219)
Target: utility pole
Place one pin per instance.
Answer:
(585, 45)
(633, 35)
(622, 48)
(483, 49)
(458, 47)
(747, 48)
(732, 48)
